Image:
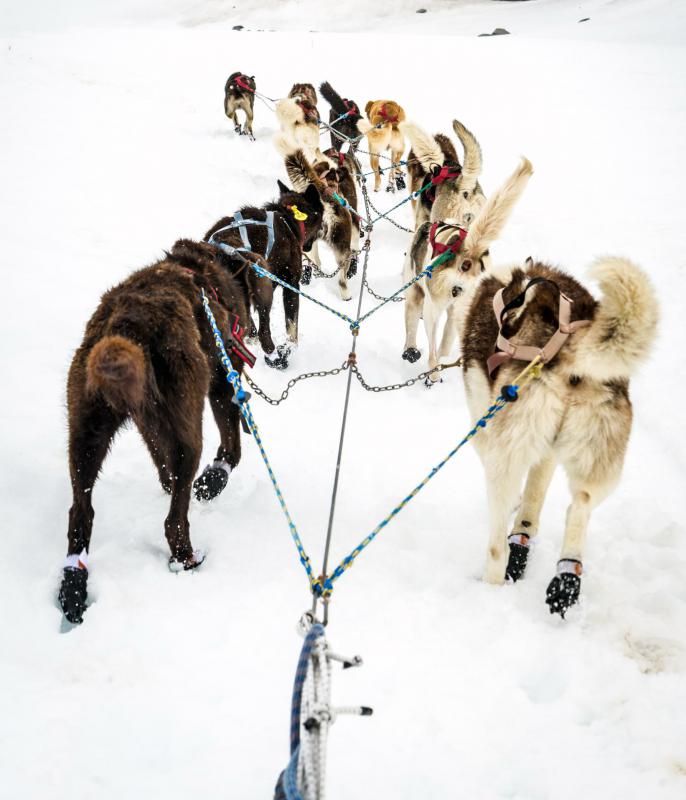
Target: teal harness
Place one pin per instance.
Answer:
(242, 224)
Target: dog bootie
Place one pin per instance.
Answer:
(306, 277)
(519, 555)
(178, 565)
(280, 360)
(400, 181)
(391, 188)
(412, 355)
(563, 590)
(352, 267)
(212, 481)
(73, 592)
(238, 130)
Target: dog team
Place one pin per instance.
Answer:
(149, 356)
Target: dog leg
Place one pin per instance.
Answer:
(526, 524)
(374, 161)
(449, 332)
(213, 479)
(92, 428)
(503, 482)
(431, 314)
(291, 306)
(236, 123)
(248, 124)
(414, 300)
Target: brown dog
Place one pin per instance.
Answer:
(381, 129)
(148, 355)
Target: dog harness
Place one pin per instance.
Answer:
(238, 80)
(440, 174)
(241, 224)
(519, 352)
(309, 110)
(351, 107)
(384, 114)
(438, 248)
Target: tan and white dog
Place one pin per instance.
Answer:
(578, 413)
(453, 282)
(299, 120)
(383, 133)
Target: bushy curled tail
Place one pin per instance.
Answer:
(425, 148)
(332, 98)
(116, 369)
(625, 323)
(300, 171)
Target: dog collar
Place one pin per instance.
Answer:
(438, 248)
(384, 114)
(352, 107)
(520, 352)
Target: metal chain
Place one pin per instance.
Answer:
(410, 382)
(371, 291)
(317, 271)
(291, 383)
(384, 216)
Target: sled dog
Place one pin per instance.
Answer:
(239, 93)
(383, 133)
(578, 413)
(148, 355)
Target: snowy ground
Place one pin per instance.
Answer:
(114, 145)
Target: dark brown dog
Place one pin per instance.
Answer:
(148, 355)
(343, 116)
(291, 237)
(239, 93)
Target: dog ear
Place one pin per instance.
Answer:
(283, 189)
(529, 263)
(312, 196)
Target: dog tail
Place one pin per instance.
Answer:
(424, 146)
(300, 172)
(625, 323)
(491, 220)
(332, 98)
(364, 125)
(116, 368)
(473, 158)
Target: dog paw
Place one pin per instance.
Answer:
(519, 555)
(306, 276)
(400, 182)
(73, 594)
(352, 267)
(391, 188)
(412, 355)
(186, 564)
(563, 591)
(280, 360)
(494, 573)
(212, 481)
(429, 381)
(345, 295)
(238, 130)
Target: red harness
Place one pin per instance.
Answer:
(444, 174)
(235, 340)
(239, 82)
(237, 344)
(309, 110)
(383, 113)
(437, 248)
(352, 107)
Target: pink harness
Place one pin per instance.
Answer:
(523, 352)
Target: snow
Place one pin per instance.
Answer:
(114, 145)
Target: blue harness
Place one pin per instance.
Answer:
(241, 224)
